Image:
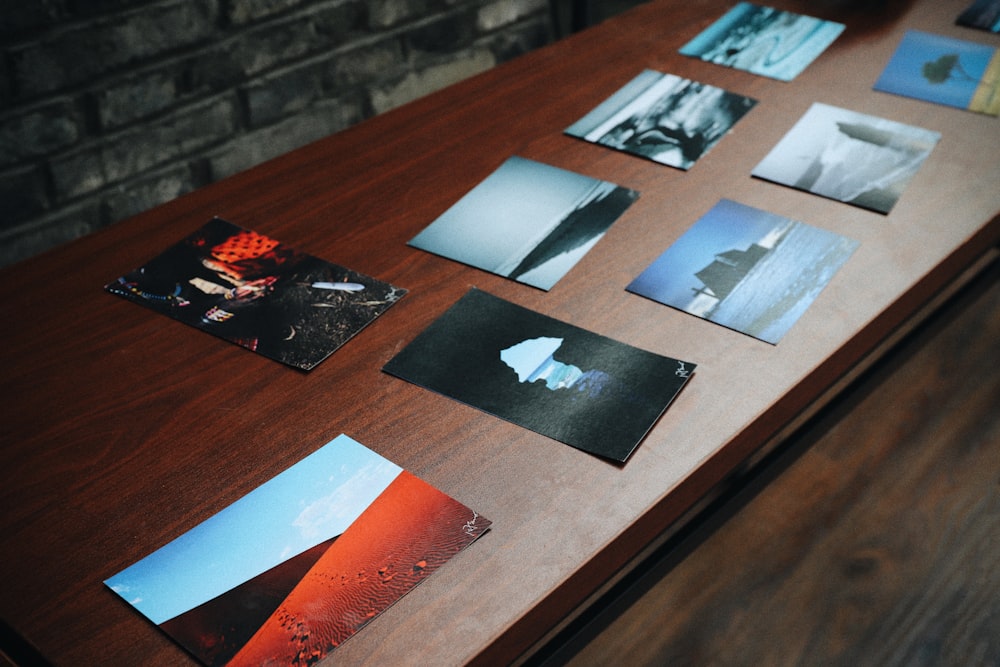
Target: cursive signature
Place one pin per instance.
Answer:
(682, 370)
(470, 526)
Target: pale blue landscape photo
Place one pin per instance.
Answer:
(764, 41)
(746, 269)
(663, 117)
(528, 221)
(848, 156)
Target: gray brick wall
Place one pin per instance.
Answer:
(110, 107)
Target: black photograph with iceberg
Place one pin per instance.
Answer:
(580, 388)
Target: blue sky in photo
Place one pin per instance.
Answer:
(529, 355)
(308, 503)
(902, 75)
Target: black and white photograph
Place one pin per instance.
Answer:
(664, 118)
(848, 156)
(750, 270)
(527, 221)
(764, 41)
(569, 384)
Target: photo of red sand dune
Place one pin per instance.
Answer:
(289, 571)
(214, 631)
(406, 534)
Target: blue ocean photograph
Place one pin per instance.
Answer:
(763, 40)
(848, 156)
(746, 269)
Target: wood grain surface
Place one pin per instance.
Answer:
(871, 541)
(122, 429)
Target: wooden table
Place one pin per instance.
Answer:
(122, 428)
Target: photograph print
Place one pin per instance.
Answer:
(566, 383)
(764, 41)
(527, 221)
(981, 14)
(290, 571)
(746, 269)
(847, 156)
(664, 118)
(254, 291)
(944, 70)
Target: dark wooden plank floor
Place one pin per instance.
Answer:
(874, 539)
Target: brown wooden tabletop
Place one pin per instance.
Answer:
(123, 428)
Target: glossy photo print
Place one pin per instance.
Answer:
(258, 293)
(553, 378)
(944, 70)
(297, 566)
(981, 14)
(765, 41)
(527, 221)
(851, 157)
(664, 118)
(745, 269)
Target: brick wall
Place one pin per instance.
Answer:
(109, 107)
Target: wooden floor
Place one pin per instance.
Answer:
(874, 539)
